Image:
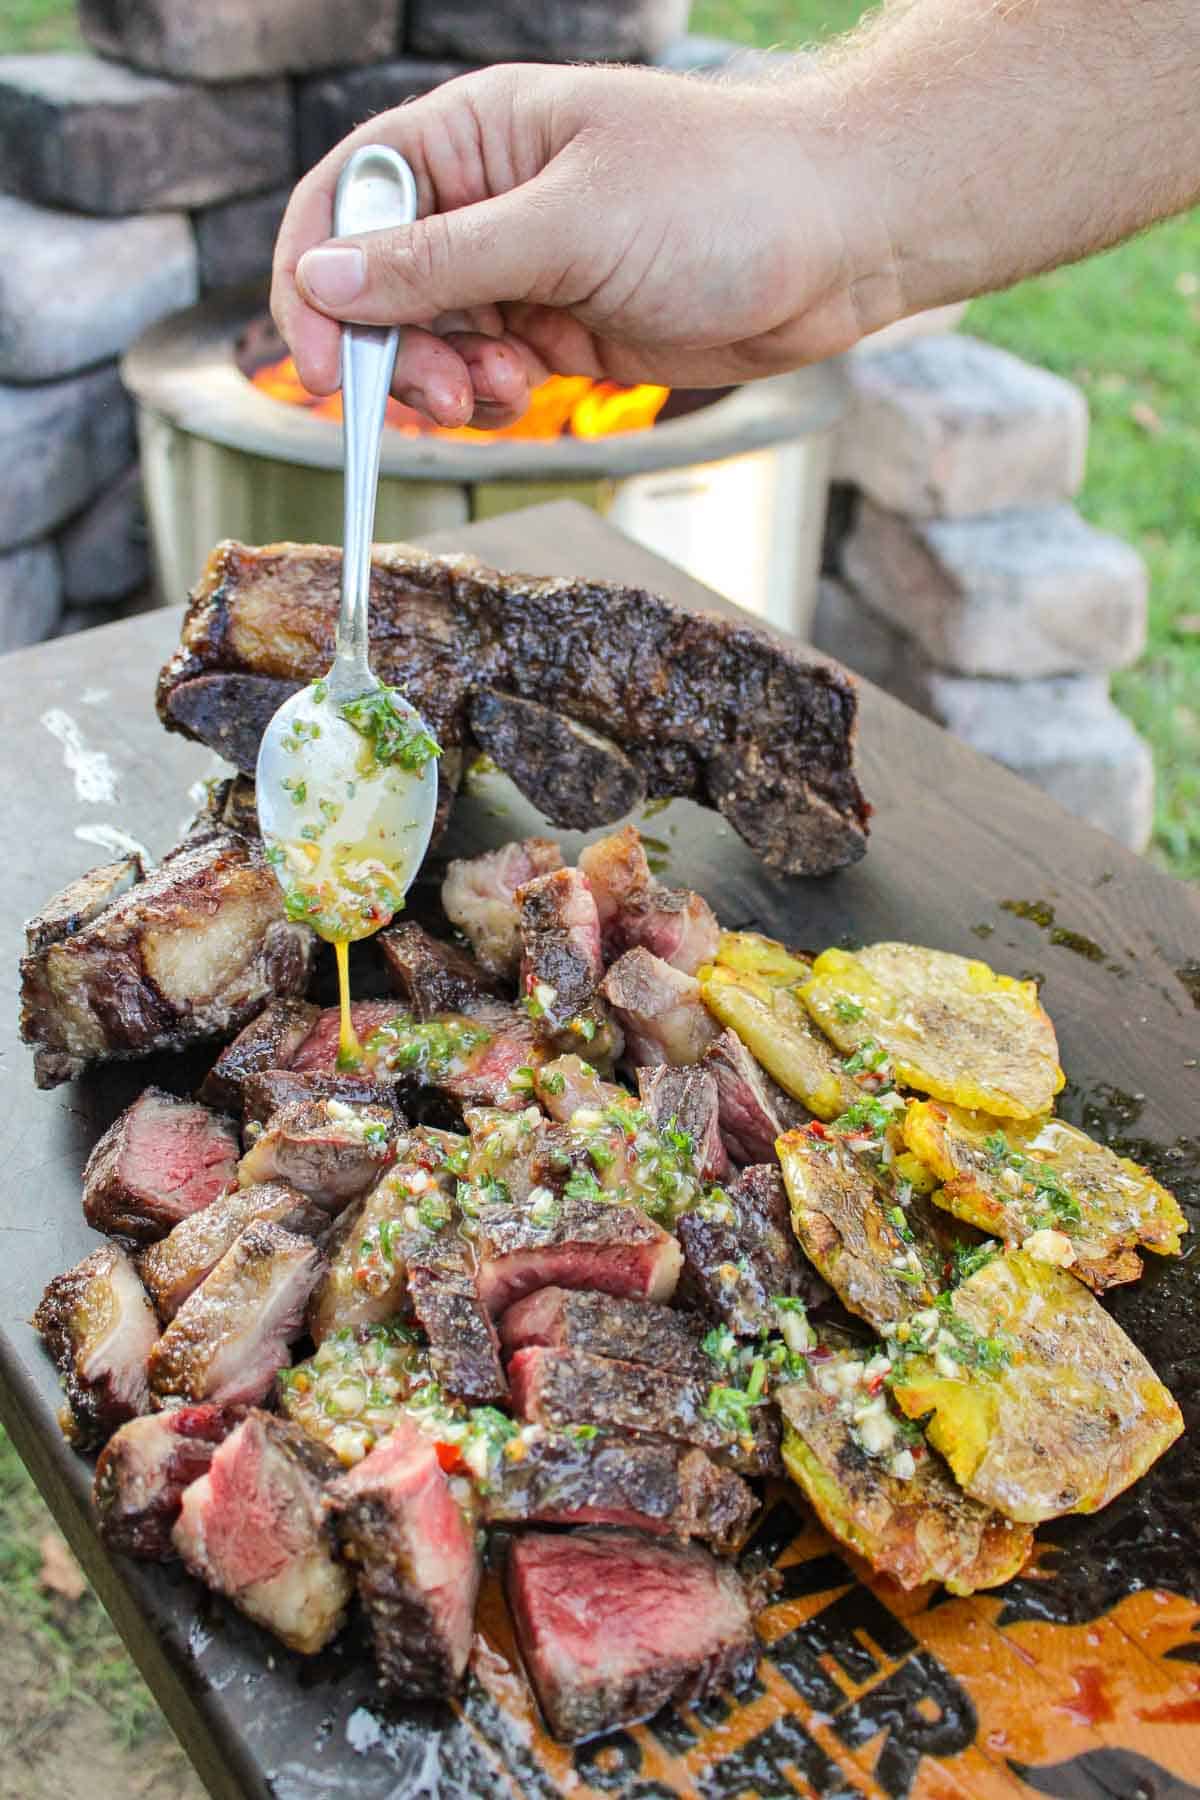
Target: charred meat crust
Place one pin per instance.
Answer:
(434, 977)
(269, 1041)
(98, 1325)
(80, 902)
(698, 705)
(175, 1266)
(142, 1471)
(574, 777)
(640, 1331)
(738, 1268)
(188, 954)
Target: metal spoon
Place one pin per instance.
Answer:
(325, 805)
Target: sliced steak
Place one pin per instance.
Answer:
(685, 1099)
(464, 1060)
(617, 871)
(635, 909)
(266, 1094)
(464, 1350)
(477, 896)
(612, 1625)
(254, 1528)
(174, 1268)
(99, 1327)
(415, 1559)
(571, 1387)
(188, 954)
(318, 1053)
(752, 1109)
(163, 1159)
(566, 1083)
(640, 1331)
(561, 963)
(741, 1263)
(589, 1477)
(433, 977)
(331, 1150)
(143, 1469)
(575, 1244)
(81, 901)
(659, 1010)
(268, 1042)
(700, 705)
(230, 1338)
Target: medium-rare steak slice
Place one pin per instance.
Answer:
(80, 902)
(581, 1476)
(188, 954)
(635, 909)
(576, 1244)
(175, 1266)
(464, 1351)
(659, 1009)
(433, 977)
(269, 1092)
(143, 1469)
(700, 705)
(163, 1159)
(612, 1625)
(331, 1150)
(230, 1338)
(478, 897)
(416, 1562)
(99, 1327)
(640, 1331)
(685, 1100)
(254, 1528)
(571, 1387)
(318, 1053)
(561, 964)
(466, 1061)
(752, 1109)
(741, 1257)
(269, 1041)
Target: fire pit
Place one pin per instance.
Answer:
(729, 484)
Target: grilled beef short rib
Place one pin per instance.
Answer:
(641, 1331)
(163, 1159)
(142, 1472)
(740, 1266)
(612, 1625)
(188, 954)
(416, 1562)
(175, 1266)
(331, 1150)
(255, 1529)
(659, 1009)
(433, 977)
(612, 1477)
(99, 1327)
(685, 1099)
(698, 704)
(478, 897)
(580, 1244)
(635, 909)
(269, 1041)
(752, 1109)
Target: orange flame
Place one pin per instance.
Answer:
(564, 406)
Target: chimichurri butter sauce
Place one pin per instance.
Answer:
(345, 870)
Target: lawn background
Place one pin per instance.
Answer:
(1126, 326)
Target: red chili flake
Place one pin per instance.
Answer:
(448, 1456)
(816, 1129)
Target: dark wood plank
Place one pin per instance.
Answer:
(954, 837)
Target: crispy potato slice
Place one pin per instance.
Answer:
(915, 1526)
(753, 954)
(951, 1027)
(876, 1255)
(1038, 1400)
(1021, 1180)
(780, 1035)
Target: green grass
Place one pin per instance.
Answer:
(38, 25)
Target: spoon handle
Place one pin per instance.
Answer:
(375, 191)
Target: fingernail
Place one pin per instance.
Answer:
(333, 274)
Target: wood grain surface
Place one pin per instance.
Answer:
(1082, 1678)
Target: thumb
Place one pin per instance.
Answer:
(509, 248)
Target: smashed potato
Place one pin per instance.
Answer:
(875, 1254)
(780, 1035)
(898, 1508)
(949, 1026)
(1032, 1393)
(1047, 1184)
(753, 954)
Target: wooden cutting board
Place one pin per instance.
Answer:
(1080, 1679)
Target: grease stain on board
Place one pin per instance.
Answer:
(93, 774)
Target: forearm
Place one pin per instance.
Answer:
(997, 138)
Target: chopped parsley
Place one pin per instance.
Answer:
(865, 1115)
(554, 1082)
(1055, 1206)
(869, 1059)
(428, 1047)
(968, 1258)
(393, 734)
(847, 1010)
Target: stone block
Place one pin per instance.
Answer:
(1065, 736)
(60, 443)
(30, 595)
(104, 551)
(236, 242)
(91, 136)
(1035, 591)
(948, 426)
(235, 40)
(329, 106)
(76, 291)
(482, 31)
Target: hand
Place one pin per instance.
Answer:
(620, 224)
